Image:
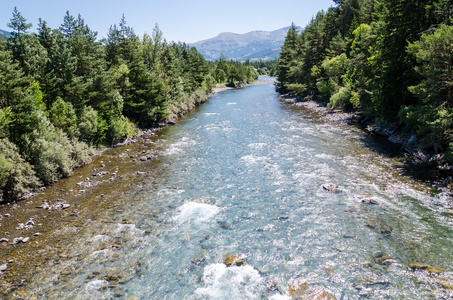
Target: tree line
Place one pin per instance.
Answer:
(64, 92)
(392, 60)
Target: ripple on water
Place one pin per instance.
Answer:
(179, 146)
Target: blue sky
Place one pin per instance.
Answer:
(186, 21)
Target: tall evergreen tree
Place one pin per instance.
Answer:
(18, 24)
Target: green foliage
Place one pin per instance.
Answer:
(298, 89)
(434, 53)
(52, 153)
(63, 116)
(18, 24)
(327, 87)
(341, 98)
(16, 175)
(119, 127)
(430, 124)
(88, 125)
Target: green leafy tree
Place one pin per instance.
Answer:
(63, 116)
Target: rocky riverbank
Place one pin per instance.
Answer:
(34, 232)
(417, 155)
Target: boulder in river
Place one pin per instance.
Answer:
(234, 260)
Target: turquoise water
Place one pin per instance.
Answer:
(243, 175)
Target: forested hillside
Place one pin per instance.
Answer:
(64, 92)
(392, 60)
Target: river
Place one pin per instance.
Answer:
(299, 199)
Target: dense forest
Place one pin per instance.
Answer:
(63, 93)
(391, 60)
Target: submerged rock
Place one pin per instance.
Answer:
(383, 259)
(330, 187)
(366, 199)
(234, 260)
(297, 287)
(349, 236)
(3, 267)
(426, 267)
(371, 223)
(386, 229)
(367, 264)
(272, 287)
(319, 294)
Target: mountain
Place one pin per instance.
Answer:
(255, 45)
(4, 34)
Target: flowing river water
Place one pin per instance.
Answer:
(244, 175)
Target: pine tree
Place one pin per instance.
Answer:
(18, 24)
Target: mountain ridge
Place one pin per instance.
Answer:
(254, 45)
(4, 34)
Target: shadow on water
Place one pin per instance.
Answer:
(383, 146)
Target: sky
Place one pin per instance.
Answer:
(180, 20)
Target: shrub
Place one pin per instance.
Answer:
(119, 128)
(17, 176)
(341, 98)
(53, 154)
(298, 89)
(327, 87)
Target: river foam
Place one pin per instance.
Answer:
(195, 212)
(222, 282)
